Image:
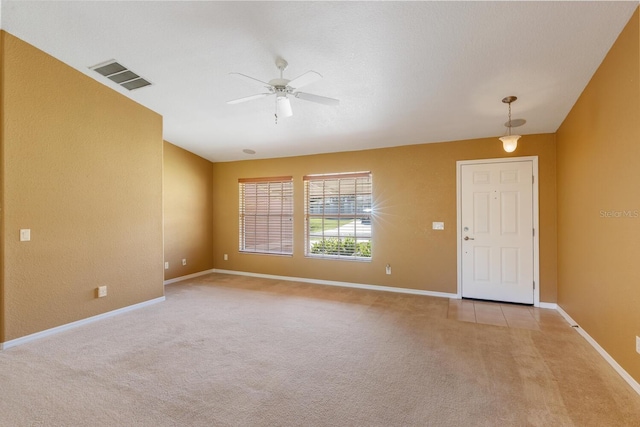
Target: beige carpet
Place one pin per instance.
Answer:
(237, 351)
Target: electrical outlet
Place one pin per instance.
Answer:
(102, 291)
(638, 344)
(184, 261)
(226, 257)
(388, 269)
(25, 234)
(166, 265)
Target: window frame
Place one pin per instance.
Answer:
(261, 215)
(358, 212)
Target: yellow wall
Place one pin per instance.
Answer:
(188, 212)
(413, 186)
(83, 170)
(599, 175)
(2, 229)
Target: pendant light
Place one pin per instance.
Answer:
(509, 142)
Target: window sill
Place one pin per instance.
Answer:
(339, 258)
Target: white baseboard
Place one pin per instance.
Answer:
(72, 325)
(341, 284)
(549, 305)
(188, 276)
(619, 369)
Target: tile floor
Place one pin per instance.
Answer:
(497, 314)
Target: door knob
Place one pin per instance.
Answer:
(468, 238)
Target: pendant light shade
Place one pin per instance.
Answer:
(509, 142)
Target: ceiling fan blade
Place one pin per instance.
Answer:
(248, 98)
(316, 98)
(305, 79)
(283, 107)
(251, 78)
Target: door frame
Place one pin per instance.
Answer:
(536, 224)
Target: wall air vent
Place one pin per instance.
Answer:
(121, 75)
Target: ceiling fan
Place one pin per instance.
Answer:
(283, 89)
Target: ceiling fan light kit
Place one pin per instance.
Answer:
(283, 88)
(283, 106)
(510, 142)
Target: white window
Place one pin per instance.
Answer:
(338, 215)
(266, 215)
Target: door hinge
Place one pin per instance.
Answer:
(533, 179)
(534, 285)
(534, 231)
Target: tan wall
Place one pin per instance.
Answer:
(83, 170)
(599, 172)
(188, 212)
(413, 186)
(2, 229)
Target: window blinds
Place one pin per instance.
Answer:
(266, 215)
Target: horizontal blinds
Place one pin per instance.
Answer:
(337, 176)
(346, 195)
(338, 210)
(271, 179)
(266, 215)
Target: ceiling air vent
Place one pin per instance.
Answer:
(121, 75)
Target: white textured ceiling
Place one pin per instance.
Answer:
(405, 72)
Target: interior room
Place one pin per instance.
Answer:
(139, 142)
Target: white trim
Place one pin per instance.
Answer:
(566, 317)
(549, 305)
(341, 284)
(72, 325)
(619, 369)
(188, 276)
(536, 219)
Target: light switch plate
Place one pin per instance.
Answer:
(438, 225)
(102, 291)
(25, 234)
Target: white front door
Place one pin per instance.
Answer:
(496, 203)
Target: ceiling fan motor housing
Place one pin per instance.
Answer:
(279, 85)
